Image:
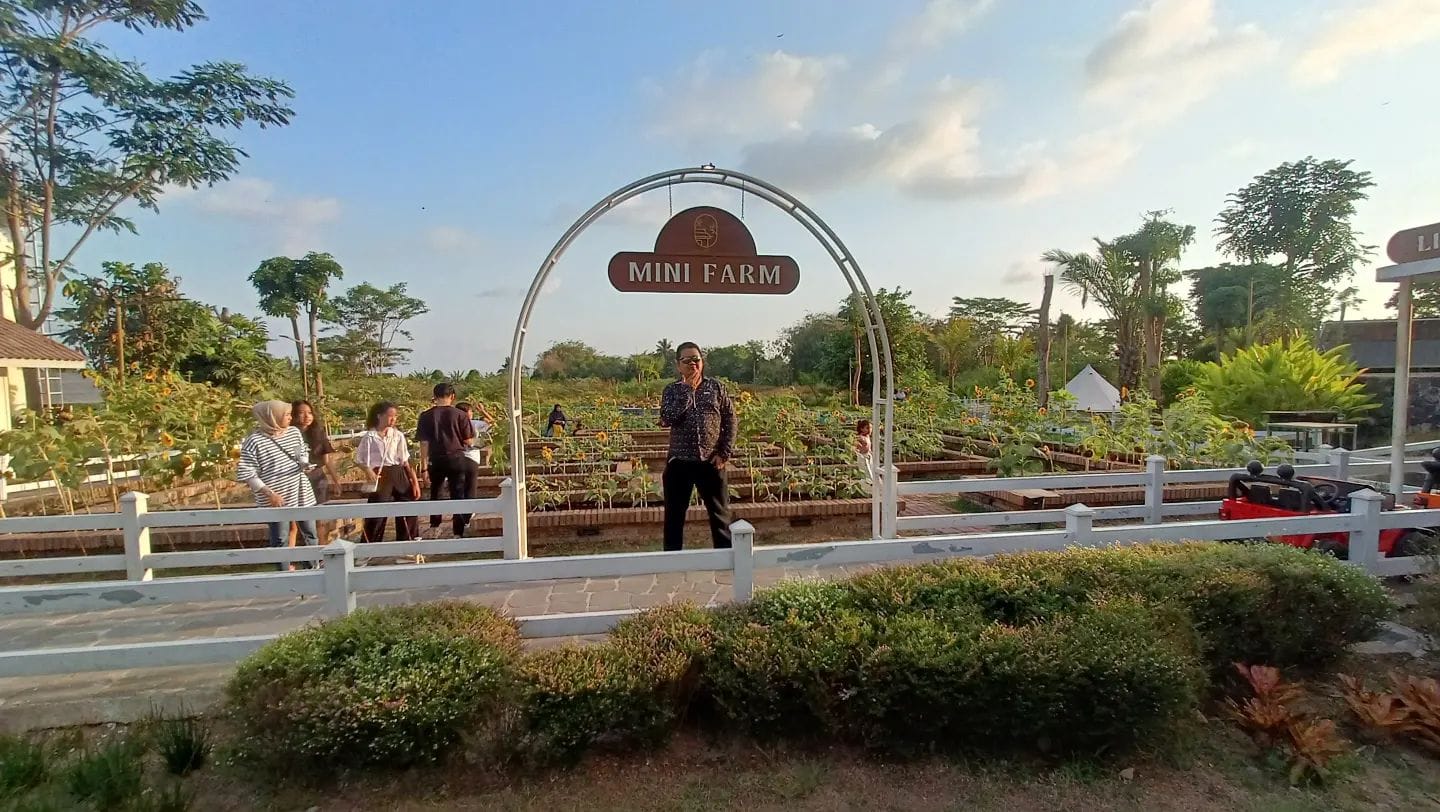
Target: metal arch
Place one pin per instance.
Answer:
(883, 499)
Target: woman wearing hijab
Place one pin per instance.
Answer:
(274, 461)
(385, 456)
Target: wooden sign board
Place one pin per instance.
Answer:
(703, 250)
(1414, 244)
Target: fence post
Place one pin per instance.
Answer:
(513, 526)
(133, 507)
(1366, 506)
(890, 499)
(1154, 488)
(742, 547)
(1079, 524)
(339, 557)
(1340, 461)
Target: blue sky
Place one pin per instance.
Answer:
(948, 142)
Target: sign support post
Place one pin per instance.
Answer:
(1416, 254)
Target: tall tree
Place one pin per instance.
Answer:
(1300, 212)
(1108, 277)
(993, 315)
(1346, 299)
(1153, 248)
(84, 132)
(276, 282)
(130, 319)
(299, 286)
(1042, 337)
(379, 315)
(902, 324)
(1424, 300)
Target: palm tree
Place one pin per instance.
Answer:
(1112, 280)
(1152, 248)
(664, 349)
(955, 341)
(1348, 298)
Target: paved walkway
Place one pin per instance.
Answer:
(121, 696)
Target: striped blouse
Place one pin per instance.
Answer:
(277, 463)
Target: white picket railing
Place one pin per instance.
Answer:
(138, 562)
(340, 579)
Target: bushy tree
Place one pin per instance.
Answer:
(371, 321)
(1300, 213)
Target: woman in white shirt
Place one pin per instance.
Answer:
(480, 450)
(385, 456)
(274, 461)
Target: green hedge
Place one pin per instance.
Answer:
(1079, 651)
(378, 687)
(629, 691)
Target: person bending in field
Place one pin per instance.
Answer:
(701, 420)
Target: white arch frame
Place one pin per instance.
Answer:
(883, 497)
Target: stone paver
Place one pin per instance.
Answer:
(122, 696)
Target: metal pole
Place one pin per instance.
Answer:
(1400, 417)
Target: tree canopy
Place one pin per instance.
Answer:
(84, 131)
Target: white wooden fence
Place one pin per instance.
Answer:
(340, 579)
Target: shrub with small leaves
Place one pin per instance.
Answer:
(628, 692)
(384, 687)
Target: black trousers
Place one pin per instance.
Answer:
(457, 473)
(394, 487)
(681, 478)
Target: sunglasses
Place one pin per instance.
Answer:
(693, 360)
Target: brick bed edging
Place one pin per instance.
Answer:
(164, 540)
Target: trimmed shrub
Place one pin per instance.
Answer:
(628, 692)
(952, 679)
(1255, 603)
(382, 687)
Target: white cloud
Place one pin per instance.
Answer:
(938, 21)
(552, 284)
(1164, 57)
(295, 223)
(715, 96)
(936, 155)
(1022, 272)
(452, 240)
(1365, 29)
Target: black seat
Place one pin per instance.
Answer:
(1291, 499)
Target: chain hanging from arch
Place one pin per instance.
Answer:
(670, 192)
(742, 198)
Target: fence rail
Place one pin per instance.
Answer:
(340, 580)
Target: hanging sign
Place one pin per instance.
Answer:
(703, 250)
(1414, 244)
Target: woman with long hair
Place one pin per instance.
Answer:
(274, 461)
(323, 475)
(385, 456)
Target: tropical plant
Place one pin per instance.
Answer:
(1110, 278)
(1284, 376)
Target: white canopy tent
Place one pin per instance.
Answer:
(1092, 392)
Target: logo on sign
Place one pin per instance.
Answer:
(707, 231)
